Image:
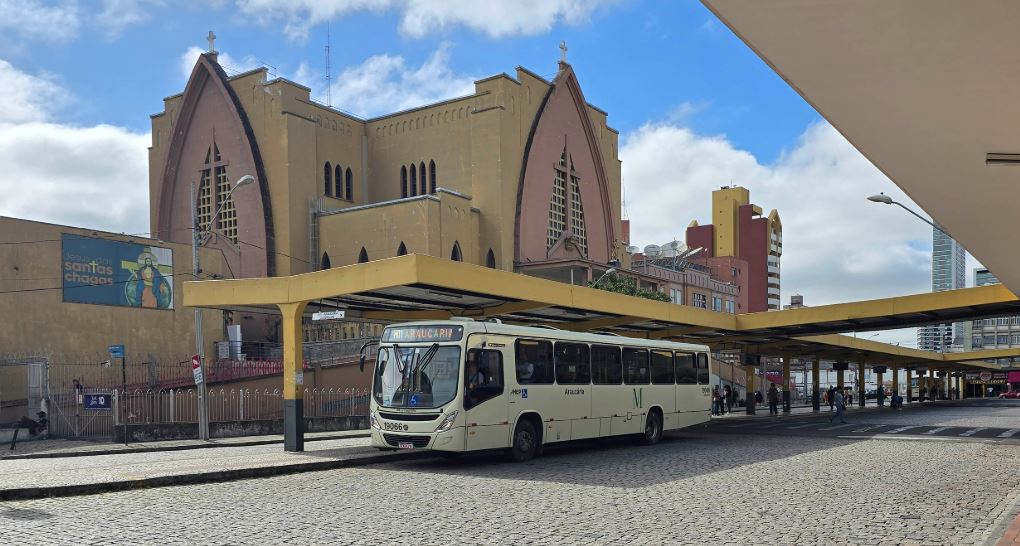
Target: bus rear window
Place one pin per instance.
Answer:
(686, 374)
(534, 362)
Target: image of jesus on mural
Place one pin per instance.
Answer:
(148, 287)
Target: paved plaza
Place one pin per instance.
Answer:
(699, 486)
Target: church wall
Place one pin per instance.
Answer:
(75, 332)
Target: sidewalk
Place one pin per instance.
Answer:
(29, 478)
(762, 411)
(57, 447)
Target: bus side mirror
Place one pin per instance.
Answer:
(362, 363)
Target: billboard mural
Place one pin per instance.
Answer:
(109, 272)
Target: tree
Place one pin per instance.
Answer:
(627, 286)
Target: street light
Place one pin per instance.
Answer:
(197, 236)
(608, 271)
(883, 198)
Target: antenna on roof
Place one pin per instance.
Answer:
(329, 92)
(623, 189)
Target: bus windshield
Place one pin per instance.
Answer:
(416, 377)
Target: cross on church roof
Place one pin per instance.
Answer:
(563, 52)
(212, 42)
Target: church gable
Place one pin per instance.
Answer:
(213, 146)
(564, 206)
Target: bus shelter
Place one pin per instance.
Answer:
(418, 287)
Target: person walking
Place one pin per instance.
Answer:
(728, 398)
(773, 400)
(880, 394)
(832, 396)
(716, 401)
(840, 405)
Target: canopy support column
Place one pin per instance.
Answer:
(293, 377)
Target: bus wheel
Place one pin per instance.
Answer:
(653, 429)
(525, 441)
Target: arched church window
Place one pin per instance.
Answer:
(204, 211)
(421, 171)
(349, 185)
(327, 180)
(577, 213)
(338, 179)
(324, 264)
(403, 182)
(557, 205)
(226, 222)
(456, 255)
(414, 181)
(490, 260)
(402, 250)
(432, 176)
(362, 256)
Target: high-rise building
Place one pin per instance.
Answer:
(948, 272)
(739, 230)
(992, 333)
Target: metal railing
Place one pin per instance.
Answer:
(225, 405)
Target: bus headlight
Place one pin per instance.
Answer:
(374, 422)
(447, 423)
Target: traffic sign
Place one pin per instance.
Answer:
(116, 351)
(329, 315)
(98, 401)
(196, 369)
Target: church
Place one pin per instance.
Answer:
(521, 175)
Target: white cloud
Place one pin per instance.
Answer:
(495, 18)
(837, 245)
(230, 65)
(385, 83)
(117, 15)
(33, 19)
(94, 177)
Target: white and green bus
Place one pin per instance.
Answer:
(465, 385)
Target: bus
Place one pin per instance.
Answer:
(464, 385)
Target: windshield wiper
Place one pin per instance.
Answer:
(426, 359)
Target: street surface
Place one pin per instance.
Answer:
(761, 483)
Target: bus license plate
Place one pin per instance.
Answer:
(405, 445)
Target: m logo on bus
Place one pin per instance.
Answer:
(638, 397)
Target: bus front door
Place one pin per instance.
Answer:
(485, 396)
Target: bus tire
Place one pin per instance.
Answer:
(653, 428)
(525, 441)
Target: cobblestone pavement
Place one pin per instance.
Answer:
(693, 488)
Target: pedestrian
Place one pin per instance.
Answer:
(773, 400)
(728, 392)
(848, 397)
(880, 393)
(839, 404)
(832, 396)
(758, 398)
(716, 401)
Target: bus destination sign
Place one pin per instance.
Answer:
(422, 334)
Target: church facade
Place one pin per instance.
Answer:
(521, 175)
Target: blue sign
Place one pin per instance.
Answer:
(414, 400)
(116, 351)
(98, 401)
(116, 273)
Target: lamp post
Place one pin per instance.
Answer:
(197, 234)
(608, 271)
(883, 198)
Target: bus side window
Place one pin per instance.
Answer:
(686, 374)
(662, 368)
(534, 362)
(572, 366)
(635, 366)
(702, 369)
(606, 367)
(483, 376)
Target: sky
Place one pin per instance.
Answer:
(695, 107)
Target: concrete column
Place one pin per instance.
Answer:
(787, 360)
(895, 380)
(839, 378)
(860, 383)
(816, 396)
(931, 387)
(749, 385)
(879, 388)
(293, 377)
(910, 392)
(963, 386)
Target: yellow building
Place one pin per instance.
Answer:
(521, 175)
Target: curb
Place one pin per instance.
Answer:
(31, 493)
(250, 443)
